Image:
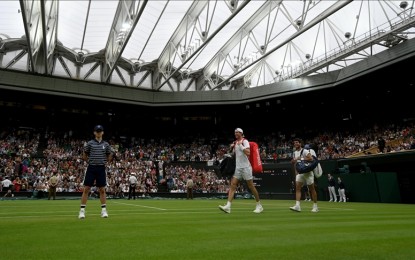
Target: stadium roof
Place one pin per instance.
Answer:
(183, 46)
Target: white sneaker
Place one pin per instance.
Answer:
(225, 209)
(258, 209)
(330, 200)
(296, 208)
(315, 210)
(81, 214)
(104, 213)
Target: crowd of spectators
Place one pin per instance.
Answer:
(29, 168)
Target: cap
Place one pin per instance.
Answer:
(239, 130)
(98, 128)
(307, 146)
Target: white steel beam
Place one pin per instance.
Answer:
(170, 50)
(331, 10)
(126, 18)
(40, 22)
(245, 29)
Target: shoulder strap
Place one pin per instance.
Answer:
(233, 148)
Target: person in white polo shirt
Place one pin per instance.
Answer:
(6, 183)
(132, 186)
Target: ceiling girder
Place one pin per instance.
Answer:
(16, 59)
(41, 46)
(8, 45)
(120, 75)
(245, 29)
(329, 11)
(170, 50)
(146, 74)
(207, 40)
(91, 70)
(50, 9)
(40, 22)
(355, 48)
(65, 67)
(126, 18)
(31, 17)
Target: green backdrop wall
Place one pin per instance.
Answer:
(364, 187)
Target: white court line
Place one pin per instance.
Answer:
(111, 214)
(172, 211)
(135, 205)
(335, 208)
(274, 206)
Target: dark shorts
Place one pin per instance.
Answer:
(95, 176)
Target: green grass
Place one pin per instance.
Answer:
(197, 229)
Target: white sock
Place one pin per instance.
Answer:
(315, 205)
(258, 203)
(297, 203)
(228, 204)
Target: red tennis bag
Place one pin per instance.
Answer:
(255, 158)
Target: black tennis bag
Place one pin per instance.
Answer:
(227, 166)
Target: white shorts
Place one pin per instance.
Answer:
(243, 173)
(307, 178)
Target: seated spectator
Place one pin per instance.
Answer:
(39, 189)
(8, 194)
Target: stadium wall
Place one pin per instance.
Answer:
(386, 178)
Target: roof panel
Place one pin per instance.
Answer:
(144, 44)
(226, 33)
(11, 22)
(100, 20)
(286, 48)
(72, 18)
(168, 23)
(148, 20)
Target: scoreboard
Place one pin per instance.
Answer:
(275, 178)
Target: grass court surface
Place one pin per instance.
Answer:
(197, 229)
